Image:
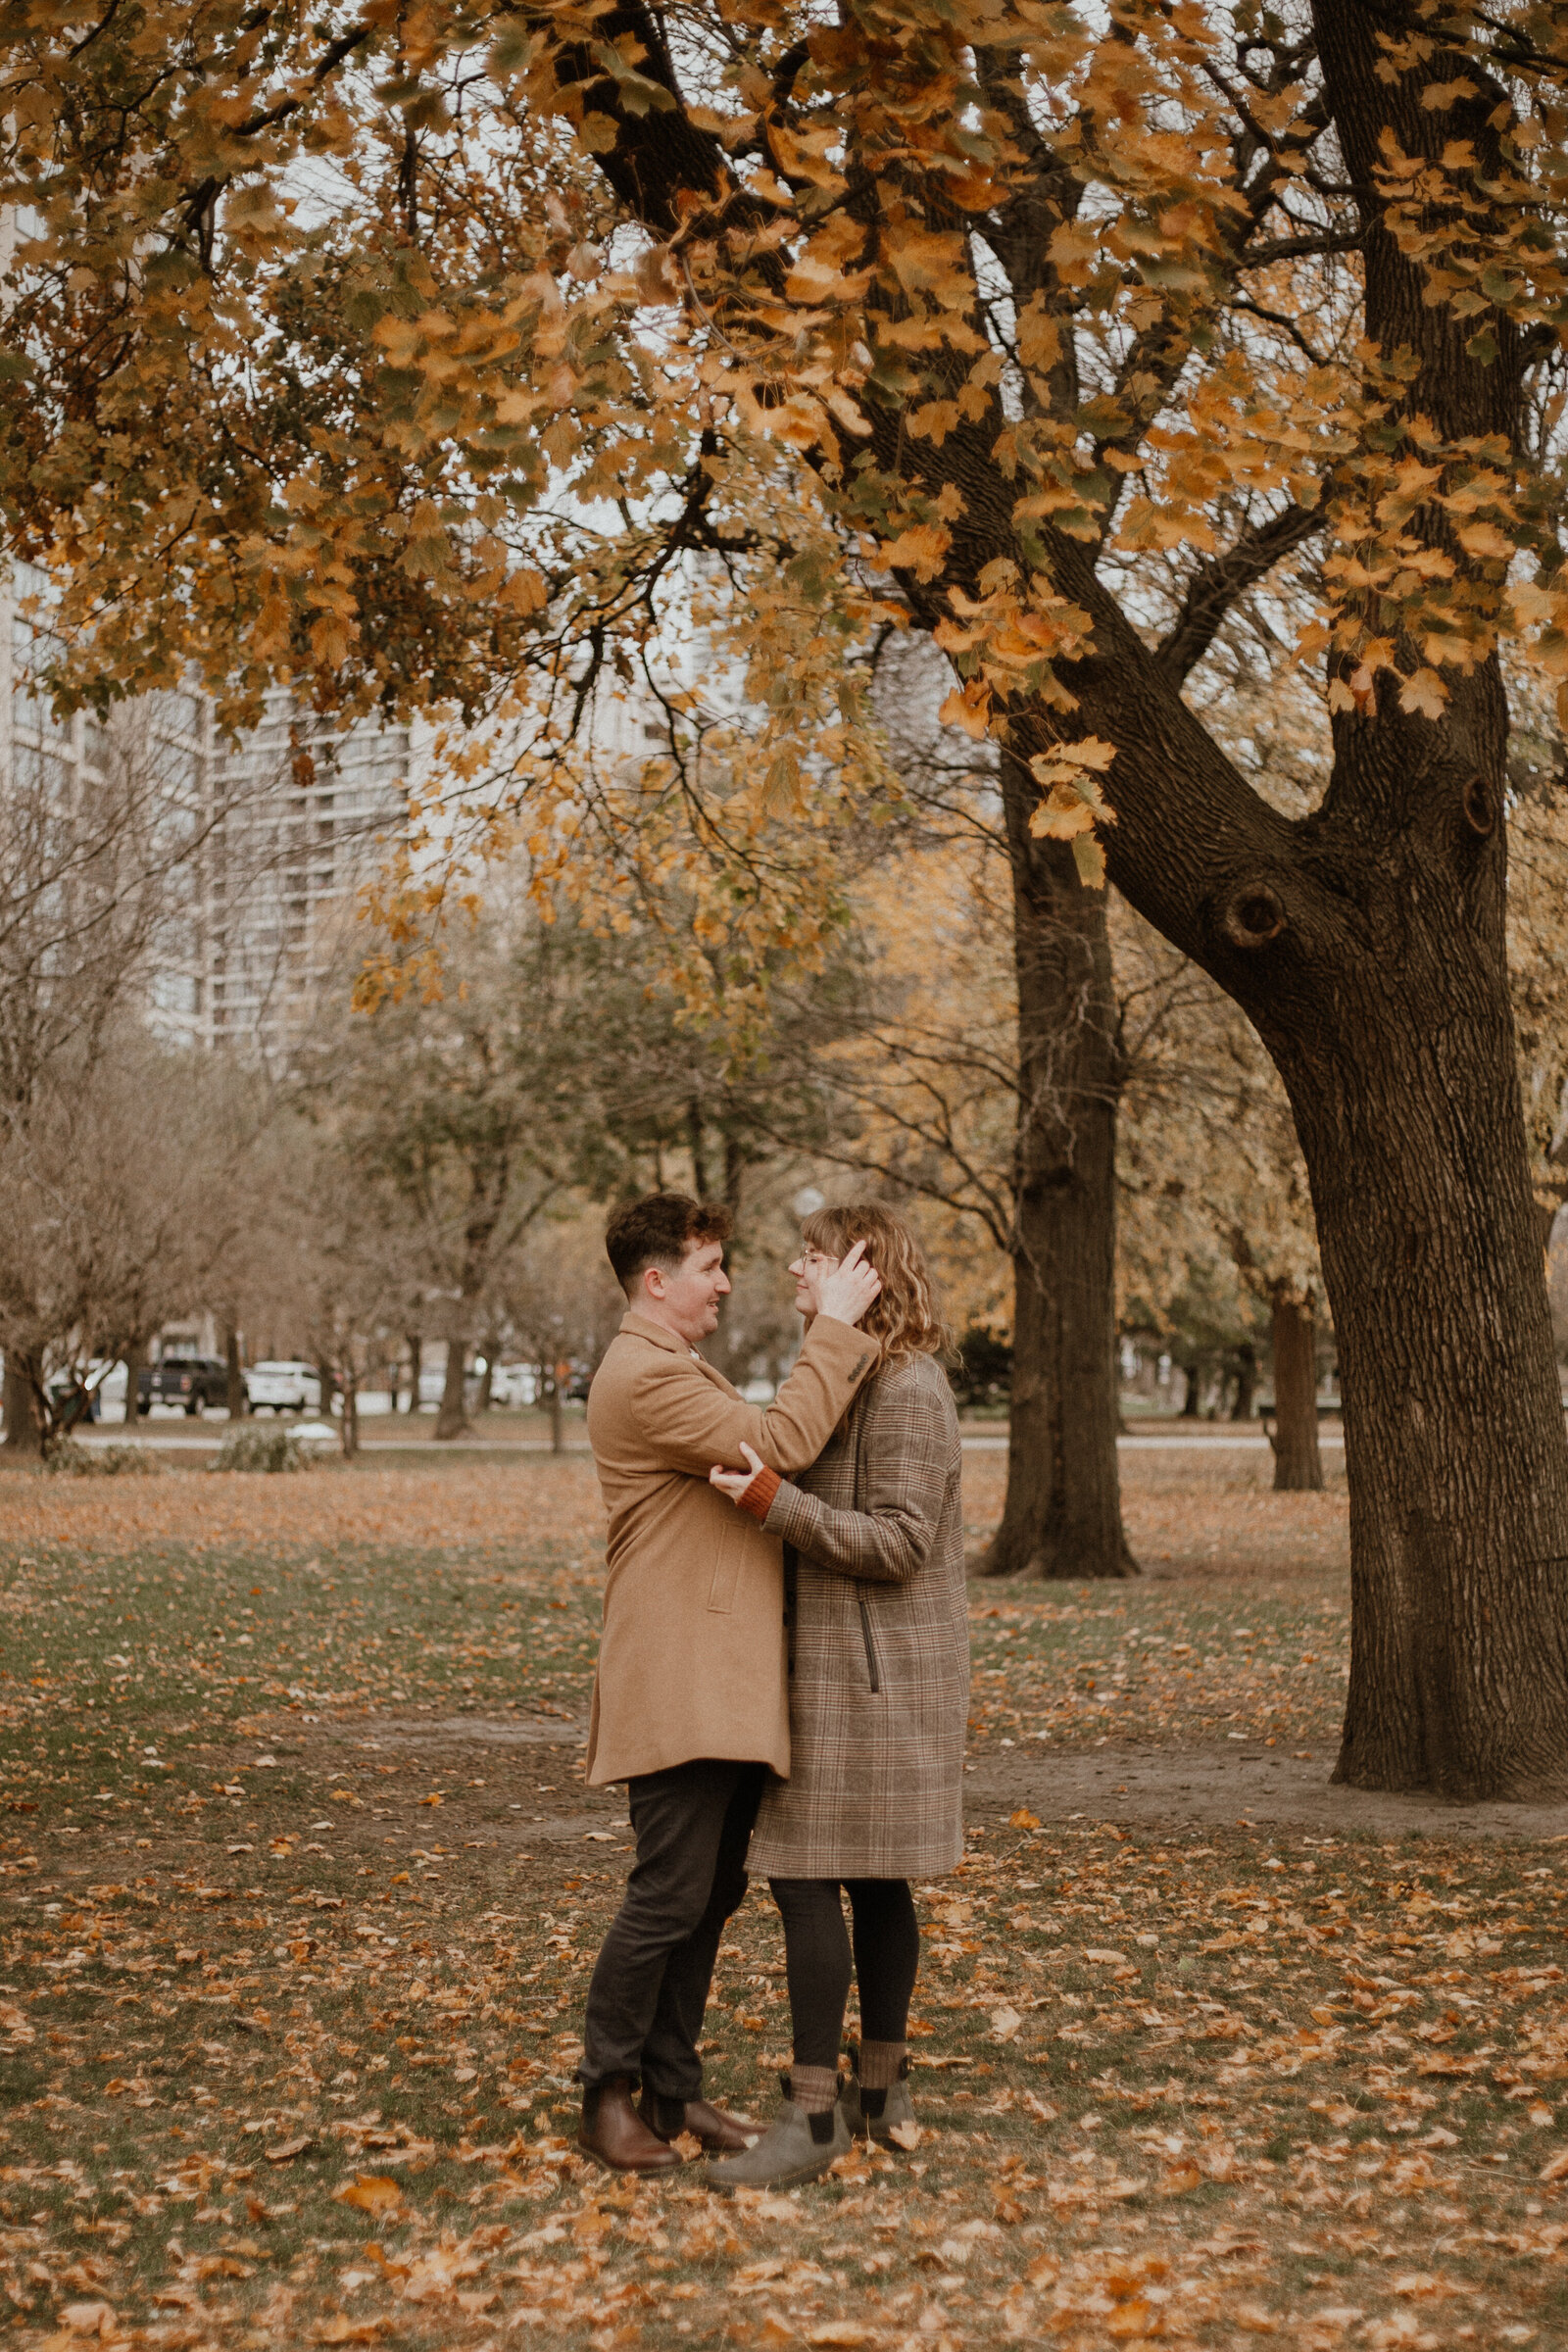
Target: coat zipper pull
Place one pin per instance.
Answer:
(870, 1646)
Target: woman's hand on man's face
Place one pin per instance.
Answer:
(843, 1288)
(734, 1482)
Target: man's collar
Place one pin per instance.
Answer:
(643, 1327)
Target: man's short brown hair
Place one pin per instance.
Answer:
(659, 1231)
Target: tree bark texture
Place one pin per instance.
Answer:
(234, 1395)
(136, 1359)
(1245, 1382)
(1063, 1514)
(1298, 1460)
(23, 1440)
(415, 1354)
(452, 1420)
(490, 1176)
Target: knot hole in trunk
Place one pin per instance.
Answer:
(1480, 807)
(1253, 915)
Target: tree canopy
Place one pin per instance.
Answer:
(405, 351)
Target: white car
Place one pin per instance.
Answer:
(514, 1384)
(284, 1388)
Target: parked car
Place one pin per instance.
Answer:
(514, 1384)
(284, 1388)
(192, 1381)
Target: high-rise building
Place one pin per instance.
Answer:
(261, 845)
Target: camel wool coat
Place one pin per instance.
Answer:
(692, 1659)
(879, 1637)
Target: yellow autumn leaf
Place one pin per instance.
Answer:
(921, 549)
(1424, 692)
(968, 706)
(1090, 752)
(1485, 539)
(782, 786)
(1439, 96)
(1089, 857)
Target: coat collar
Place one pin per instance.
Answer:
(643, 1327)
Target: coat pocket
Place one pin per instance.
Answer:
(872, 1668)
(726, 1577)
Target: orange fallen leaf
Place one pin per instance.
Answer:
(342, 2331)
(89, 2319)
(1181, 2178)
(288, 2148)
(372, 2193)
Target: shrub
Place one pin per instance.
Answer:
(251, 1447)
(70, 1460)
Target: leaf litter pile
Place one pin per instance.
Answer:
(302, 1888)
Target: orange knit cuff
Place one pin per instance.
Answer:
(757, 1500)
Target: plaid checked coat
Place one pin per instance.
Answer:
(879, 1644)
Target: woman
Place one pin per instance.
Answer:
(879, 1696)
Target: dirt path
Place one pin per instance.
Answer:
(1224, 1788)
(1231, 1787)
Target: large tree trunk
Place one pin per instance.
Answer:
(1063, 1514)
(23, 1440)
(1413, 1131)
(1298, 1461)
(1366, 943)
(1454, 1424)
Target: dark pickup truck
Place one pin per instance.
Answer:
(191, 1381)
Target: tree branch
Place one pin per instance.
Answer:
(1217, 583)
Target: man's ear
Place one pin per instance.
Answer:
(651, 1279)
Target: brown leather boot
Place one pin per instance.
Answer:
(720, 2134)
(614, 2133)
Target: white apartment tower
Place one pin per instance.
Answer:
(268, 839)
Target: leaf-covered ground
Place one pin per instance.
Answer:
(302, 1889)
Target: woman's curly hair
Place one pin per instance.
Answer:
(903, 1318)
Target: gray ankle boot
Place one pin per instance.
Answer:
(795, 2147)
(876, 2111)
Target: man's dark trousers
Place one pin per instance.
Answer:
(649, 1988)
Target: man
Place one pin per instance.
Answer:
(691, 1702)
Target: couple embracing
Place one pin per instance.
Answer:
(783, 1679)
